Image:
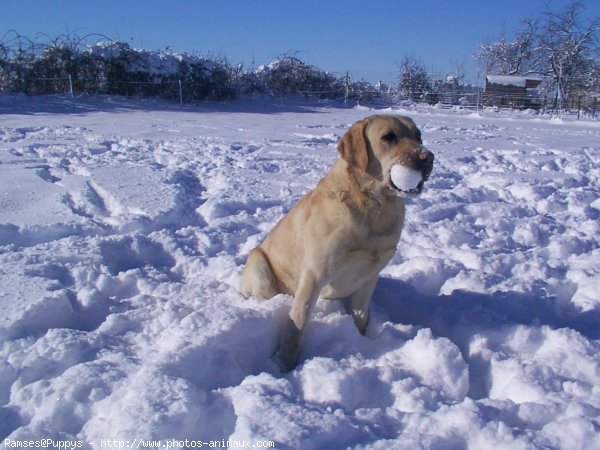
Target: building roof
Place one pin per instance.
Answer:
(510, 80)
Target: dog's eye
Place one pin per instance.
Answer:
(418, 136)
(390, 137)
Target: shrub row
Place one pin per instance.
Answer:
(112, 67)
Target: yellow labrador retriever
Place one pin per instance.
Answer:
(334, 242)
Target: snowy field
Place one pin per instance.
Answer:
(124, 228)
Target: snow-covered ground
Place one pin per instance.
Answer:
(124, 228)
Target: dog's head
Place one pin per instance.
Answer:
(389, 149)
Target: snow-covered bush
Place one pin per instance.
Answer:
(110, 67)
(288, 75)
(115, 68)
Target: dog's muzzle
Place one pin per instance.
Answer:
(409, 179)
(425, 162)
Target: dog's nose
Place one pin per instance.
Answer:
(425, 161)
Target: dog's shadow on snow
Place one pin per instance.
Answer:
(462, 315)
(444, 314)
(85, 104)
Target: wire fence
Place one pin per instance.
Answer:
(479, 99)
(182, 90)
(186, 91)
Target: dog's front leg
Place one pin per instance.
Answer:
(289, 347)
(359, 304)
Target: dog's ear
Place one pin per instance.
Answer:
(353, 146)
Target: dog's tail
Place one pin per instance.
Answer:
(258, 279)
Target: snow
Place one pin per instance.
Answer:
(155, 63)
(124, 228)
(405, 178)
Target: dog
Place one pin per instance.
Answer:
(338, 237)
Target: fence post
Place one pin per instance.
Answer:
(71, 86)
(180, 94)
(347, 87)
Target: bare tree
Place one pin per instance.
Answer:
(413, 80)
(509, 57)
(568, 47)
(559, 45)
(459, 72)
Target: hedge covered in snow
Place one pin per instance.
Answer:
(71, 64)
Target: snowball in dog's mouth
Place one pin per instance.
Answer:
(406, 181)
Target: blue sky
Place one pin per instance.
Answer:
(366, 38)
